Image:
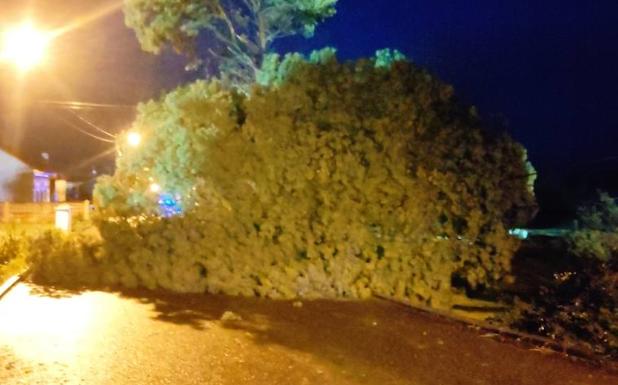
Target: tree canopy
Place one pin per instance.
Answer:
(236, 34)
(328, 179)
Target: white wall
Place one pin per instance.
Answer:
(10, 168)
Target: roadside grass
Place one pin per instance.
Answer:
(14, 246)
(13, 267)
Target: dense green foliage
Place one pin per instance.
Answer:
(329, 180)
(239, 32)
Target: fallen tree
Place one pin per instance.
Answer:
(328, 179)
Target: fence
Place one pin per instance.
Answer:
(40, 212)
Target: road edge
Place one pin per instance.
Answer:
(517, 337)
(10, 283)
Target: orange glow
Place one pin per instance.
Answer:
(24, 46)
(67, 322)
(106, 10)
(134, 138)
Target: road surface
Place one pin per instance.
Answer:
(140, 338)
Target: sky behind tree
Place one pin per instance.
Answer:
(547, 68)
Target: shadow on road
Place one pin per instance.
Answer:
(378, 334)
(346, 334)
(55, 292)
(375, 338)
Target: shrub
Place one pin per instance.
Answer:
(328, 179)
(13, 252)
(74, 259)
(597, 236)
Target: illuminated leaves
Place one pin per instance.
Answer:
(328, 180)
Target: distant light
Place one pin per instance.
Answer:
(134, 138)
(24, 46)
(519, 233)
(155, 188)
(169, 205)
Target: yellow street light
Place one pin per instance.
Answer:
(155, 188)
(24, 46)
(134, 138)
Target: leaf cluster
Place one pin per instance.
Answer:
(13, 252)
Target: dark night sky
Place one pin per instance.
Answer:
(549, 68)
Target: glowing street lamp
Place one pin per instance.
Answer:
(155, 188)
(24, 46)
(134, 138)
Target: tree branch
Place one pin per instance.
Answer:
(232, 45)
(223, 16)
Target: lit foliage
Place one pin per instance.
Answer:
(74, 258)
(386, 57)
(13, 251)
(329, 180)
(238, 33)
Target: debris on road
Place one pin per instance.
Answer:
(230, 316)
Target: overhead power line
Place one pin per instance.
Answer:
(89, 123)
(75, 105)
(76, 127)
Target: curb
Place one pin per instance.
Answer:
(9, 284)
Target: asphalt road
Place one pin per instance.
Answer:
(54, 337)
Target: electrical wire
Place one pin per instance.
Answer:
(74, 105)
(75, 127)
(89, 123)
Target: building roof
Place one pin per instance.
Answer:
(18, 157)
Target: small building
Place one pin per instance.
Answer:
(21, 182)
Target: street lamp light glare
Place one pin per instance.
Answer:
(134, 138)
(24, 46)
(155, 188)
